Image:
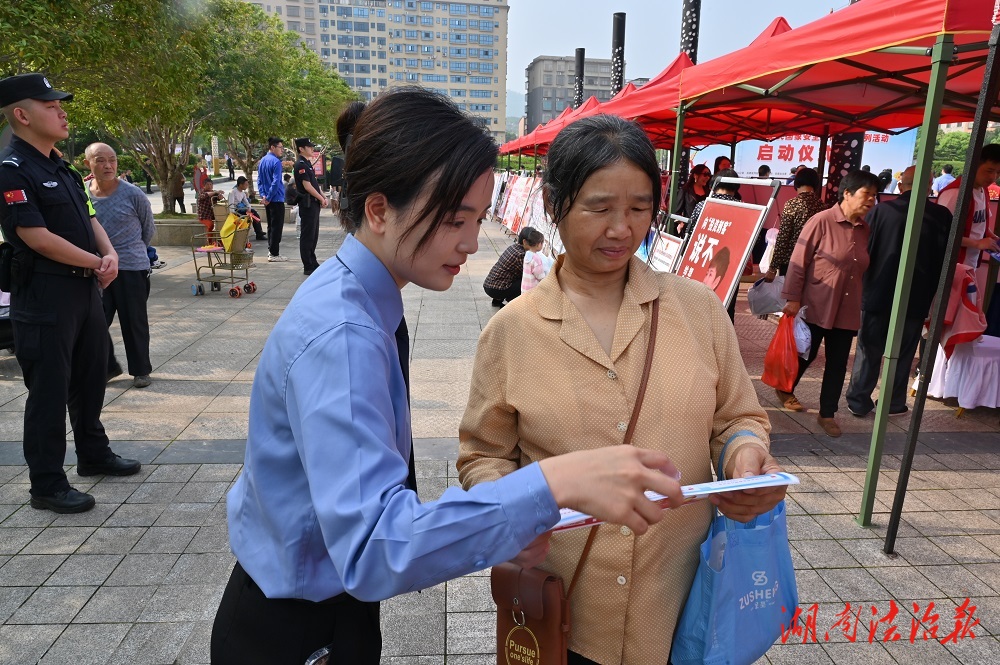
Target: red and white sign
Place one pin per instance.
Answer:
(665, 252)
(716, 252)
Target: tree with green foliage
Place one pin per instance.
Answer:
(265, 83)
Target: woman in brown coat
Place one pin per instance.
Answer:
(558, 370)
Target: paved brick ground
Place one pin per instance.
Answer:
(138, 579)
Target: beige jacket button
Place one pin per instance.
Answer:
(626, 531)
(622, 427)
(622, 580)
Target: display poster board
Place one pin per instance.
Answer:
(720, 243)
(665, 252)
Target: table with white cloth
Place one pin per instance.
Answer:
(971, 375)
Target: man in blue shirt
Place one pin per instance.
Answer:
(272, 191)
(943, 180)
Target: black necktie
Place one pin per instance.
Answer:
(403, 347)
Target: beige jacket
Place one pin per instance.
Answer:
(542, 385)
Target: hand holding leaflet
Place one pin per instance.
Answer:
(572, 519)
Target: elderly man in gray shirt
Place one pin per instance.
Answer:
(125, 214)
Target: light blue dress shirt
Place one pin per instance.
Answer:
(321, 506)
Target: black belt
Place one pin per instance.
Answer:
(48, 267)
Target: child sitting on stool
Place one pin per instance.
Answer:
(503, 283)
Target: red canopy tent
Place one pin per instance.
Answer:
(528, 141)
(543, 135)
(853, 69)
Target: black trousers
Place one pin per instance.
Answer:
(179, 200)
(309, 235)
(838, 350)
(61, 342)
(275, 223)
(127, 296)
(251, 628)
(504, 295)
(868, 360)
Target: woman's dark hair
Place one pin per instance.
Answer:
(807, 178)
(409, 141)
(346, 121)
(589, 145)
(855, 180)
(530, 235)
(693, 175)
(719, 160)
(717, 183)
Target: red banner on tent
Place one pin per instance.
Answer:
(718, 244)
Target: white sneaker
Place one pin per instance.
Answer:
(276, 259)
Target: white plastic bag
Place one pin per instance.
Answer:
(803, 336)
(765, 297)
(771, 238)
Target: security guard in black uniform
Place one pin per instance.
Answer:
(61, 256)
(311, 201)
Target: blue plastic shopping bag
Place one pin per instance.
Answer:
(743, 593)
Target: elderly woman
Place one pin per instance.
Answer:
(559, 368)
(824, 275)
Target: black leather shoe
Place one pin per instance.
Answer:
(67, 501)
(113, 466)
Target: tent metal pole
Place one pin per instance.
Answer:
(987, 97)
(941, 55)
(675, 162)
(823, 140)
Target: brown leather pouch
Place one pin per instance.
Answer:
(532, 616)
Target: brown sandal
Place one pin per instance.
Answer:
(789, 401)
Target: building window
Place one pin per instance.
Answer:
(294, 26)
(456, 8)
(457, 52)
(547, 79)
(310, 12)
(412, 34)
(411, 62)
(458, 66)
(457, 92)
(458, 79)
(292, 10)
(480, 93)
(427, 20)
(310, 30)
(426, 6)
(426, 36)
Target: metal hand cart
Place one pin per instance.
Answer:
(216, 265)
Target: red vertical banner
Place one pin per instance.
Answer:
(716, 252)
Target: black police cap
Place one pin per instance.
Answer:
(304, 142)
(29, 86)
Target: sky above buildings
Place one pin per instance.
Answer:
(652, 29)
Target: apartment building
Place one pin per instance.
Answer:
(549, 84)
(458, 49)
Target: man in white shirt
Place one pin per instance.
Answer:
(977, 237)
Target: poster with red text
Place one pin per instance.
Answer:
(719, 245)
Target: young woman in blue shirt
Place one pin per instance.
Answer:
(321, 520)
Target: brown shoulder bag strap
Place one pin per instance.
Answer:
(654, 322)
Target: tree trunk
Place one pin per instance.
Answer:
(158, 144)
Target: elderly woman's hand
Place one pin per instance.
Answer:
(750, 460)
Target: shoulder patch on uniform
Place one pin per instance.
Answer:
(15, 196)
(50, 184)
(302, 170)
(12, 161)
